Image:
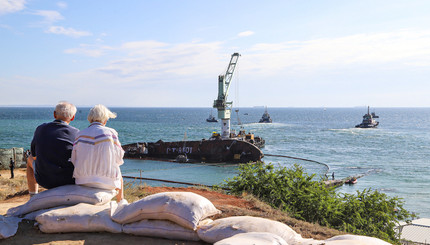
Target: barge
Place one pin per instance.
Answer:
(213, 150)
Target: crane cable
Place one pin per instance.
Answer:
(236, 94)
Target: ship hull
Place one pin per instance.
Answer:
(367, 125)
(210, 151)
(265, 120)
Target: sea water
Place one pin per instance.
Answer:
(394, 158)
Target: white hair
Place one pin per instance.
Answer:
(100, 113)
(65, 110)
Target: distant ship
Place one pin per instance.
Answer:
(211, 118)
(265, 118)
(368, 120)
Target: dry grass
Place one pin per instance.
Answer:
(134, 192)
(10, 187)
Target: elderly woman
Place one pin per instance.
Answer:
(97, 153)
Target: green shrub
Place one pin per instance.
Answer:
(370, 213)
(292, 190)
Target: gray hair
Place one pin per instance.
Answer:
(100, 113)
(65, 110)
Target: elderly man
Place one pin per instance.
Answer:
(49, 164)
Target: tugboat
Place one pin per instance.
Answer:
(265, 118)
(211, 118)
(368, 120)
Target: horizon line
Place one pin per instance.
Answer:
(118, 106)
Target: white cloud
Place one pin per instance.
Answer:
(49, 16)
(89, 50)
(311, 71)
(403, 47)
(142, 47)
(11, 6)
(67, 31)
(62, 5)
(245, 34)
(5, 26)
(152, 61)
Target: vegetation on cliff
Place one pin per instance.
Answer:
(367, 212)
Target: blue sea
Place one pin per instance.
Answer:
(394, 158)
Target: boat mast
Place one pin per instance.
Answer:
(221, 104)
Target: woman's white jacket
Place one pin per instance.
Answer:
(97, 155)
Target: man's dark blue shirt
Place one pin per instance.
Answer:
(52, 146)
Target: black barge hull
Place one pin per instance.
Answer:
(210, 151)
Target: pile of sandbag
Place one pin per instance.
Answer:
(228, 227)
(241, 230)
(50, 200)
(170, 215)
(82, 217)
(66, 195)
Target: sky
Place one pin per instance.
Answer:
(169, 53)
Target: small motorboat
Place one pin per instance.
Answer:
(368, 120)
(351, 181)
(266, 117)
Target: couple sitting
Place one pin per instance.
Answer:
(63, 155)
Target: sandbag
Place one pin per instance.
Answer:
(64, 195)
(8, 226)
(227, 227)
(82, 217)
(364, 239)
(255, 238)
(184, 208)
(160, 228)
(342, 242)
(34, 214)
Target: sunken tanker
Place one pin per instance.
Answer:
(213, 150)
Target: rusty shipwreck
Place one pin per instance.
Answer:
(212, 150)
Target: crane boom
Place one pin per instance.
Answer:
(221, 104)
